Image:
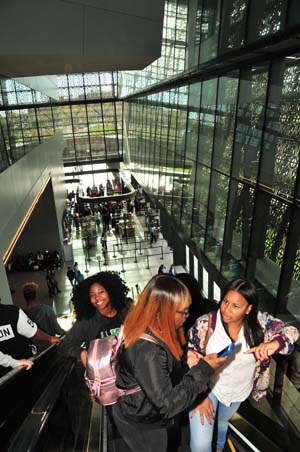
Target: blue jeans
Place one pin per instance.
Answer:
(201, 435)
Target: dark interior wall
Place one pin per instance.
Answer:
(41, 231)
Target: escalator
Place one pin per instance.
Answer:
(56, 423)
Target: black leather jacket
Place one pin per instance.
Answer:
(167, 387)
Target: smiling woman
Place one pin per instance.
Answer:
(101, 306)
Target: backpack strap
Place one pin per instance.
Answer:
(149, 338)
(212, 319)
(146, 337)
(208, 332)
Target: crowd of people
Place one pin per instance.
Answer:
(180, 370)
(40, 260)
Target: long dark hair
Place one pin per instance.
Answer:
(252, 329)
(114, 285)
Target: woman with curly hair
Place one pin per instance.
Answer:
(101, 306)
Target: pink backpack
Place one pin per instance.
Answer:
(100, 375)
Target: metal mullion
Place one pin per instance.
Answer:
(161, 106)
(116, 127)
(197, 157)
(152, 141)
(87, 117)
(9, 137)
(21, 123)
(37, 125)
(174, 45)
(115, 112)
(229, 194)
(200, 28)
(71, 116)
(185, 141)
(211, 167)
(88, 131)
(247, 19)
(250, 270)
(22, 131)
(103, 128)
(220, 27)
(168, 124)
(175, 149)
(5, 146)
(72, 122)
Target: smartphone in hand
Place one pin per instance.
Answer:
(226, 351)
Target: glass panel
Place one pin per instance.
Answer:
(45, 120)
(281, 147)
(209, 34)
(225, 122)
(191, 156)
(207, 121)
(238, 226)
(294, 294)
(233, 24)
(179, 153)
(92, 85)
(271, 222)
(251, 110)
(29, 125)
(266, 17)
(193, 33)
(216, 217)
(200, 206)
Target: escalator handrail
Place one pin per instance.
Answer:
(29, 433)
(12, 374)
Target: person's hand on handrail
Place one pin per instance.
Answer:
(27, 363)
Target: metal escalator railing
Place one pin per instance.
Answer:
(244, 436)
(20, 389)
(12, 374)
(28, 435)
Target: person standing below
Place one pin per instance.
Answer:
(104, 242)
(16, 333)
(172, 270)
(42, 314)
(79, 277)
(75, 268)
(98, 219)
(256, 336)
(71, 276)
(52, 283)
(162, 269)
(167, 387)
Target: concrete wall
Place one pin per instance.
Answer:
(20, 185)
(43, 37)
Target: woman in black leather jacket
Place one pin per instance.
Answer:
(167, 387)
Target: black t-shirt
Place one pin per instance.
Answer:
(85, 330)
(110, 327)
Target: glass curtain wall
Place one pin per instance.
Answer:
(87, 111)
(173, 52)
(221, 156)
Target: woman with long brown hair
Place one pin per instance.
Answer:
(156, 366)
